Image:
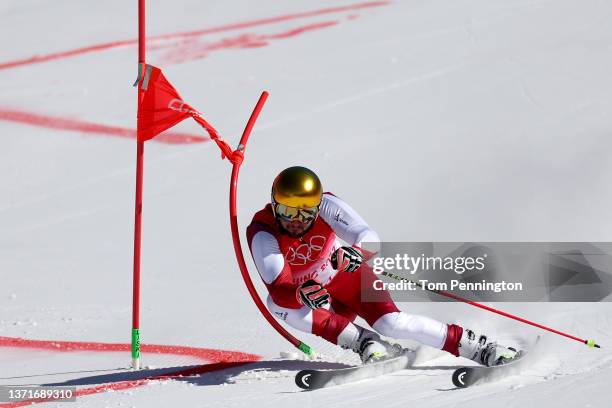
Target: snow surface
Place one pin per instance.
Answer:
(440, 120)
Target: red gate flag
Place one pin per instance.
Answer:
(162, 107)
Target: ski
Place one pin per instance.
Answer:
(316, 379)
(464, 377)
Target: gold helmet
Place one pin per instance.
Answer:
(297, 187)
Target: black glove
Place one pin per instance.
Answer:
(346, 259)
(313, 294)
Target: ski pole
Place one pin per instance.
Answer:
(589, 342)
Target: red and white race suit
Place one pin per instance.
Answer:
(285, 262)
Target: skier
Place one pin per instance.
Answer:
(315, 281)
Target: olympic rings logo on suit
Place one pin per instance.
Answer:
(306, 252)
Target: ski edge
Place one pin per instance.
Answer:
(316, 379)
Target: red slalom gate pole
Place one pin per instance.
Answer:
(589, 342)
(138, 203)
(305, 348)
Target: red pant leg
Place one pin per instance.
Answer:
(349, 289)
(328, 325)
(342, 309)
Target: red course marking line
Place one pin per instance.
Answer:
(221, 359)
(192, 50)
(204, 354)
(52, 122)
(177, 54)
(271, 20)
(229, 27)
(300, 30)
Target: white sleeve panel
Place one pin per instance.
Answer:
(300, 319)
(345, 221)
(267, 256)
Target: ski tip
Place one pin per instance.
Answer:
(302, 379)
(461, 377)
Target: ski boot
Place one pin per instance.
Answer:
(368, 344)
(371, 348)
(479, 349)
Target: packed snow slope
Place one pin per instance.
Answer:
(440, 120)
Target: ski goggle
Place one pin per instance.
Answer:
(292, 213)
